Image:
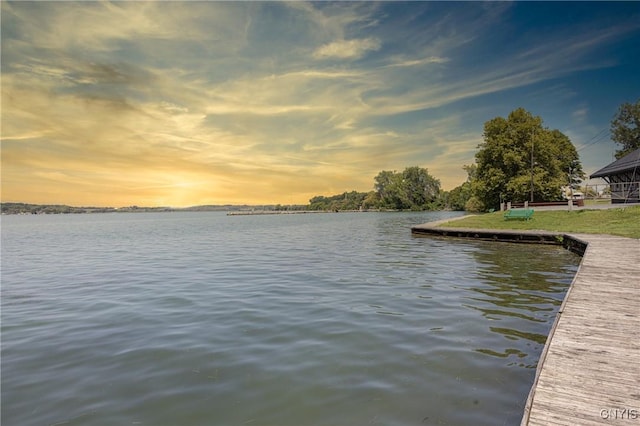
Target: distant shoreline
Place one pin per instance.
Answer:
(232, 210)
(264, 212)
(26, 208)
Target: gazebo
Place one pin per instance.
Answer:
(623, 176)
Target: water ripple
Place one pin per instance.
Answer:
(200, 318)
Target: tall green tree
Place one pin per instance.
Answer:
(414, 188)
(519, 157)
(625, 128)
(420, 188)
(388, 186)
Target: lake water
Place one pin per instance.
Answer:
(317, 319)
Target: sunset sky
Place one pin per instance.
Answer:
(190, 103)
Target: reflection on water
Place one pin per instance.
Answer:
(519, 282)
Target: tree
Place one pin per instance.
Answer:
(346, 201)
(414, 188)
(420, 188)
(388, 187)
(371, 201)
(520, 158)
(625, 128)
(458, 197)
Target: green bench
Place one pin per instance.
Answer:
(525, 214)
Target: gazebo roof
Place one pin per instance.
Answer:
(629, 162)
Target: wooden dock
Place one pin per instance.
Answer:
(576, 245)
(589, 370)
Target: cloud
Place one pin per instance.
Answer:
(347, 49)
(580, 114)
(214, 102)
(419, 62)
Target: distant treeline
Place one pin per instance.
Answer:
(412, 189)
(23, 208)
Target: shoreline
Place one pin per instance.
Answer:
(567, 240)
(584, 373)
(266, 212)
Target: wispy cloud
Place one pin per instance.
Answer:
(419, 62)
(347, 49)
(208, 102)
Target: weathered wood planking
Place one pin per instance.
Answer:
(589, 373)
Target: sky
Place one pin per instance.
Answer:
(192, 103)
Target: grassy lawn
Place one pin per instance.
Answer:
(622, 221)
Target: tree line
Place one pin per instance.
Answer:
(519, 160)
(412, 189)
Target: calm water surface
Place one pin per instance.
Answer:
(323, 319)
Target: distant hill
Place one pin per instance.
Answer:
(24, 208)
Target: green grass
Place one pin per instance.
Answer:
(624, 222)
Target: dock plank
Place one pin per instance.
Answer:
(590, 369)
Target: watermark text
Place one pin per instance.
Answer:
(620, 414)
